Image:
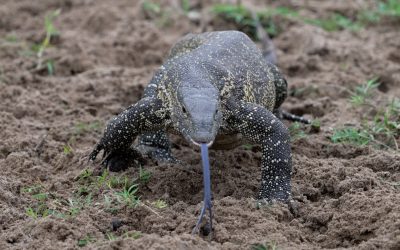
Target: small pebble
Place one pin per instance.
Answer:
(116, 223)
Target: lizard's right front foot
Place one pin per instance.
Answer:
(118, 160)
(161, 155)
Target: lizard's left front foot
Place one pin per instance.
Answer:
(281, 193)
(292, 205)
(271, 191)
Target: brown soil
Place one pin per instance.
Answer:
(107, 51)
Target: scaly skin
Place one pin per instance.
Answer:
(213, 86)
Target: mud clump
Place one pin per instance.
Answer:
(105, 54)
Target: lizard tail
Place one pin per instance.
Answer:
(294, 118)
(267, 47)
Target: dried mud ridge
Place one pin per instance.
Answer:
(106, 52)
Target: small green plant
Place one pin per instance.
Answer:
(85, 174)
(352, 135)
(11, 38)
(160, 204)
(185, 5)
(102, 179)
(51, 31)
(162, 17)
(395, 184)
(83, 190)
(248, 146)
(67, 149)
(2, 80)
(315, 125)
(31, 213)
(382, 130)
(242, 17)
(128, 196)
(334, 23)
(85, 241)
(144, 175)
(39, 207)
(40, 196)
(389, 8)
(152, 7)
(81, 127)
(133, 234)
(110, 236)
(40, 210)
(363, 92)
(117, 182)
(74, 206)
(296, 131)
(269, 246)
(32, 189)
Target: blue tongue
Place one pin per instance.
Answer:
(207, 189)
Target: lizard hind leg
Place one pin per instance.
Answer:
(157, 146)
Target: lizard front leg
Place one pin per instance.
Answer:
(146, 115)
(260, 126)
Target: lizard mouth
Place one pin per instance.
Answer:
(199, 143)
(202, 137)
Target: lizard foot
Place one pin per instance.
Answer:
(158, 154)
(117, 159)
(121, 160)
(292, 205)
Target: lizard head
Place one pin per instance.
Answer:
(197, 116)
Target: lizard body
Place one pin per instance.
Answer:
(214, 88)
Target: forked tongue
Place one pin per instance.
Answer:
(207, 190)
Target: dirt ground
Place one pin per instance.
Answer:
(104, 55)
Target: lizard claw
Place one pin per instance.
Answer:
(292, 205)
(96, 151)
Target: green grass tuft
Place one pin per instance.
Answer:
(67, 149)
(381, 130)
(241, 16)
(185, 4)
(85, 241)
(144, 175)
(134, 235)
(110, 236)
(51, 31)
(352, 135)
(269, 246)
(296, 131)
(334, 23)
(389, 8)
(128, 196)
(160, 204)
(363, 92)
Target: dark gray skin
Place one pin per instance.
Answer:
(215, 88)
